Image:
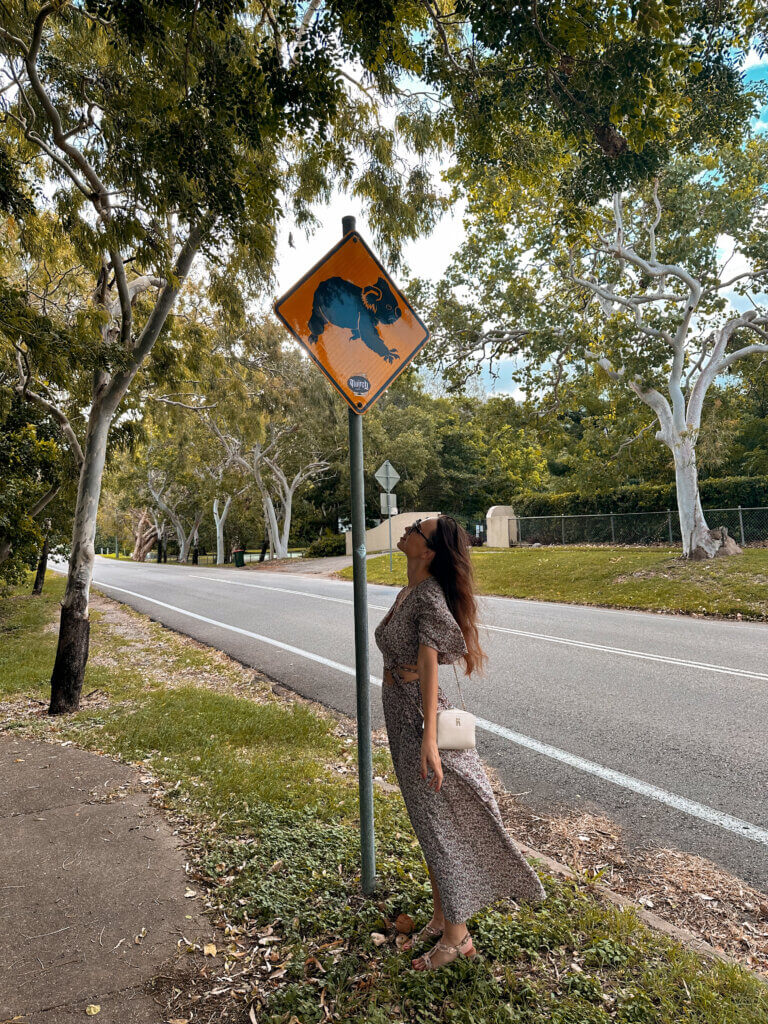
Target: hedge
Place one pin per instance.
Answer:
(725, 492)
(327, 545)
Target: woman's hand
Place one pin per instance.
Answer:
(430, 758)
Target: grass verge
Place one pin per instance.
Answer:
(653, 579)
(267, 796)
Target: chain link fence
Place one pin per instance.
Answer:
(745, 525)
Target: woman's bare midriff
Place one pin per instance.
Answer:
(408, 673)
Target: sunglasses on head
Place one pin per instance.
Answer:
(416, 527)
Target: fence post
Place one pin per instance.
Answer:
(562, 523)
(669, 525)
(741, 526)
(613, 531)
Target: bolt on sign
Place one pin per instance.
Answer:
(353, 321)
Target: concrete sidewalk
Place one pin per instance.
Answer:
(92, 890)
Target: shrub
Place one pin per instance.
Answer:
(326, 545)
(725, 492)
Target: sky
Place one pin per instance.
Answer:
(428, 257)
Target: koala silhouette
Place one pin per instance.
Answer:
(344, 304)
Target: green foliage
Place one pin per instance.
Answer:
(328, 544)
(725, 492)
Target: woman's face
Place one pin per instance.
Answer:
(413, 545)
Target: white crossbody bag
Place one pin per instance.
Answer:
(455, 727)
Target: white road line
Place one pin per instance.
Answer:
(741, 828)
(666, 658)
(282, 590)
(243, 632)
(550, 638)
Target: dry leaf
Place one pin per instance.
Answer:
(209, 949)
(190, 893)
(404, 923)
(378, 938)
(92, 1009)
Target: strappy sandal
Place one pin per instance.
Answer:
(427, 932)
(468, 953)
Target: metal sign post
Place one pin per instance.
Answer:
(388, 476)
(361, 331)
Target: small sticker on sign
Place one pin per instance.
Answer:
(359, 384)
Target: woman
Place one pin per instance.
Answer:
(471, 859)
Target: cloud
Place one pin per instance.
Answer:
(754, 60)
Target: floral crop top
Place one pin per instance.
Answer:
(421, 617)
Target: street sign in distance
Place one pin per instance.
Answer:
(351, 318)
(388, 504)
(387, 475)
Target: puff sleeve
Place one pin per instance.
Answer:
(436, 626)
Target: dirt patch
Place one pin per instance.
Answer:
(682, 888)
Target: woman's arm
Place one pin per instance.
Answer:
(426, 663)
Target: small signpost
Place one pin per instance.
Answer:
(357, 326)
(388, 476)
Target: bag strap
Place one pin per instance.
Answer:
(459, 686)
(464, 706)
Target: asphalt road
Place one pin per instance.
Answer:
(660, 722)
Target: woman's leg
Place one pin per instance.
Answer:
(438, 920)
(453, 932)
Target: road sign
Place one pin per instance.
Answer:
(387, 475)
(353, 321)
(388, 503)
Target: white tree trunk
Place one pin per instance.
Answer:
(74, 627)
(186, 543)
(220, 520)
(697, 539)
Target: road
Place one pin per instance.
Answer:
(659, 722)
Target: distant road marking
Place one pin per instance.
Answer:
(236, 629)
(667, 659)
(741, 828)
(625, 652)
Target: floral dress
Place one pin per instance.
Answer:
(462, 836)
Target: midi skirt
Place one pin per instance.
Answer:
(460, 829)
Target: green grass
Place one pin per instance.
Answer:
(278, 837)
(622, 577)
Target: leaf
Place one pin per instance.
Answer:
(190, 893)
(209, 949)
(92, 1009)
(378, 938)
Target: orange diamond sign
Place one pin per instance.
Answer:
(353, 321)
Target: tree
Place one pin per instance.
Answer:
(641, 294)
(597, 95)
(167, 133)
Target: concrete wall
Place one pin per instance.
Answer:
(377, 538)
(501, 523)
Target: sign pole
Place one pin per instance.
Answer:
(389, 509)
(362, 672)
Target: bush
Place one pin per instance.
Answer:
(326, 545)
(725, 492)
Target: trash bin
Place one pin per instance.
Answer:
(239, 557)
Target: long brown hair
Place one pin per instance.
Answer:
(452, 568)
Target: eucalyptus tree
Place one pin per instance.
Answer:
(641, 290)
(619, 85)
(159, 134)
